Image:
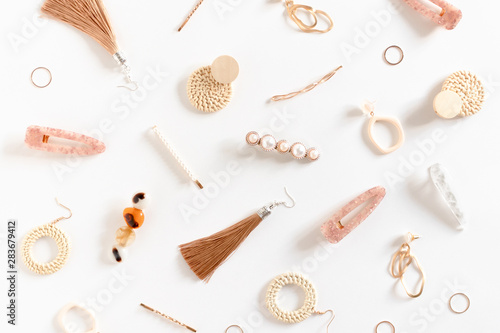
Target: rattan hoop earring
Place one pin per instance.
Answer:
(62, 242)
(310, 302)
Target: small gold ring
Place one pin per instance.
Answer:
(400, 51)
(235, 326)
(50, 77)
(385, 322)
(459, 294)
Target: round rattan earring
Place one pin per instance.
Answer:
(209, 88)
(310, 302)
(59, 236)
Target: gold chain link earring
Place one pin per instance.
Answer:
(400, 262)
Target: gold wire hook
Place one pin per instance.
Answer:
(63, 217)
(227, 329)
(331, 320)
(291, 198)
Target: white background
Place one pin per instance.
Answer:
(351, 278)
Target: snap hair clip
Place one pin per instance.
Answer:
(462, 95)
(306, 89)
(269, 143)
(209, 88)
(176, 157)
(175, 321)
(91, 18)
(443, 182)
(38, 138)
(467, 299)
(449, 16)
(64, 311)
(49, 77)
(401, 55)
(61, 239)
(400, 262)
(205, 255)
(368, 108)
(293, 10)
(310, 302)
(134, 219)
(334, 230)
(387, 323)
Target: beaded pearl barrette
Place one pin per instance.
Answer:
(269, 143)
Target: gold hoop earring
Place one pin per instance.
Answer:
(400, 262)
(62, 242)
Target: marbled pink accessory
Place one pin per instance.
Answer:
(448, 17)
(333, 229)
(37, 138)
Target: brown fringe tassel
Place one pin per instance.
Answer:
(88, 16)
(205, 255)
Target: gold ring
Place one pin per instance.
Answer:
(468, 303)
(400, 51)
(50, 77)
(385, 322)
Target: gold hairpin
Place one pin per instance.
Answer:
(306, 89)
(168, 317)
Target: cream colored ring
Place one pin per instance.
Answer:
(291, 316)
(63, 246)
(459, 294)
(66, 309)
(385, 322)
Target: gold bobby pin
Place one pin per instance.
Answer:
(169, 318)
(190, 14)
(306, 89)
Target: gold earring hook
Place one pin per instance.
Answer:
(331, 320)
(227, 329)
(62, 217)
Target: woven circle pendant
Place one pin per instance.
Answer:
(205, 93)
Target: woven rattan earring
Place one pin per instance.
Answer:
(310, 303)
(59, 236)
(209, 88)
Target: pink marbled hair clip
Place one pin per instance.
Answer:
(448, 17)
(333, 229)
(38, 138)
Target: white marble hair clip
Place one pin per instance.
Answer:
(443, 182)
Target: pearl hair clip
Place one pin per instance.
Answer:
(269, 143)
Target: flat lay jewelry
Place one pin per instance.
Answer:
(387, 323)
(91, 18)
(443, 182)
(269, 143)
(368, 109)
(64, 311)
(38, 138)
(400, 262)
(306, 89)
(401, 55)
(41, 69)
(177, 158)
(209, 88)
(134, 218)
(168, 318)
(334, 230)
(449, 16)
(450, 303)
(293, 9)
(310, 302)
(462, 95)
(61, 240)
(205, 255)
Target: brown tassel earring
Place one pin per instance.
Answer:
(90, 17)
(205, 255)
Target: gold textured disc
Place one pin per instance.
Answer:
(205, 93)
